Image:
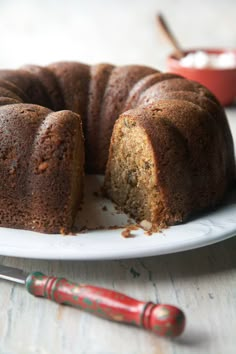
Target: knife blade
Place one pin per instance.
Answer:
(13, 274)
(164, 320)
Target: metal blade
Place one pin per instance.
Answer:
(13, 274)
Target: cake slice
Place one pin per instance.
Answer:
(158, 169)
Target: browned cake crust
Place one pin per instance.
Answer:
(41, 168)
(171, 152)
(50, 85)
(99, 79)
(142, 86)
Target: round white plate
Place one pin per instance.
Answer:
(108, 243)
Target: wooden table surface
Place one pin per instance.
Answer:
(203, 281)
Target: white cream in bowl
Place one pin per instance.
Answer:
(202, 60)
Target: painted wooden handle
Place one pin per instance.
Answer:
(164, 320)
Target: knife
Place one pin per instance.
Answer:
(164, 320)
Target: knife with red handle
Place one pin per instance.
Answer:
(164, 320)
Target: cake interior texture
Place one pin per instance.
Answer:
(131, 180)
(162, 141)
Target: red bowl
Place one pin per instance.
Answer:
(222, 82)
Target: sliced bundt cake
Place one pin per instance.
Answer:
(171, 152)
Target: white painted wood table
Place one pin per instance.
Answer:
(203, 281)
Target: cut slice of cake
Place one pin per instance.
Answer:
(158, 169)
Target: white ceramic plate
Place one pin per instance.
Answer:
(108, 243)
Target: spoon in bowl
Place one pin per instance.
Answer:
(169, 37)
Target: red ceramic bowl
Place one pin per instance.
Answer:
(222, 82)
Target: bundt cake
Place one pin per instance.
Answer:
(171, 152)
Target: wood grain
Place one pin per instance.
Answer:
(202, 282)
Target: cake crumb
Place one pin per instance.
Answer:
(63, 231)
(71, 233)
(146, 225)
(148, 233)
(126, 233)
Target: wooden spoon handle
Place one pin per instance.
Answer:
(169, 36)
(164, 320)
